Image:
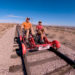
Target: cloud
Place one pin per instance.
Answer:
(13, 16)
(9, 21)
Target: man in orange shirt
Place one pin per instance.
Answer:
(27, 27)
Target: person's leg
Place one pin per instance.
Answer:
(27, 34)
(41, 35)
(42, 38)
(32, 31)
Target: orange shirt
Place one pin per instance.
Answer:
(26, 25)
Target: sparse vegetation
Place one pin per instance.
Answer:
(4, 26)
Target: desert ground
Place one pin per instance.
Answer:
(65, 35)
(8, 57)
(4, 27)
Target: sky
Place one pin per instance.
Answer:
(50, 12)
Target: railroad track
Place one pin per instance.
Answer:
(47, 62)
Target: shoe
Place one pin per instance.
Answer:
(27, 41)
(42, 41)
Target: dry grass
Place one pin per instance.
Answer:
(65, 35)
(4, 27)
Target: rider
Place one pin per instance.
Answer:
(40, 30)
(27, 26)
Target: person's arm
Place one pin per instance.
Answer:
(43, 29)
(22, 26)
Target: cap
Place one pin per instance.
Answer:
(40, 22)
(27, 18)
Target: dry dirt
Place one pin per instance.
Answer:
(66, 36)
(4, 27)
